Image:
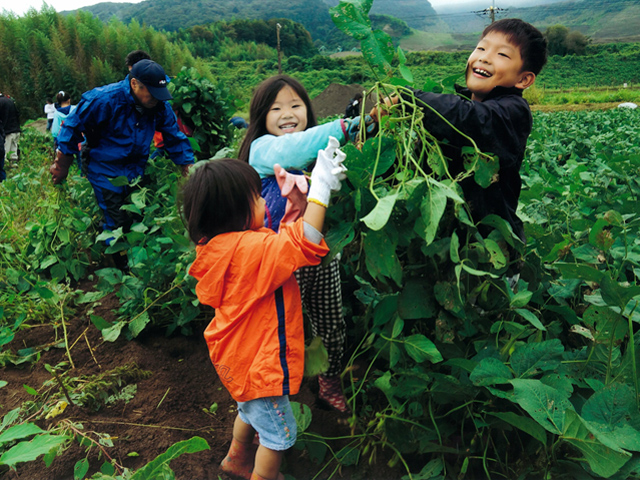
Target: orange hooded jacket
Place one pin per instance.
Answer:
(256, 338)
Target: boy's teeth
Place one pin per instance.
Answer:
(482, 72)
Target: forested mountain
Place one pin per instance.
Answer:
(313, 14)
(171, 15)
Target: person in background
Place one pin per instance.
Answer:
(353, 109)
(118, 121)
(238, 122)
(49, 110)
(3, 174)
(134, 57)
(246, 273)
(11, 122)
(63, 99)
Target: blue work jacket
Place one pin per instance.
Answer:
(119, 133)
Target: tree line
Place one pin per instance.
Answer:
(44, 52)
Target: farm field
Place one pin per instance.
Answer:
(580, 204)
(470, 353)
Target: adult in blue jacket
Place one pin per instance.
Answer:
(118, 122)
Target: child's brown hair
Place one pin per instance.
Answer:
(218, 197)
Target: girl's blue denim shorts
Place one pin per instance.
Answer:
(273, 419)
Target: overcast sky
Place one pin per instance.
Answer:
(20, 7)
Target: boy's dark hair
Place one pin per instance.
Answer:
(134, 57)
(219, 197)
(261, 102)
(532, 44)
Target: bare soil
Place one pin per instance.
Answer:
(169, 406)
(334, 99)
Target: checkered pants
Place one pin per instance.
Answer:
(322, 300)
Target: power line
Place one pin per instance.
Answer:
(556, 8)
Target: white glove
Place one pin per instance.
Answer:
(327, 173)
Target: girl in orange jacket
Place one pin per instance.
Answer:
(246, 273)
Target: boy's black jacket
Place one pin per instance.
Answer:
(499, 125)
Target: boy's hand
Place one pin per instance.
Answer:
(377, 112)
(327, 173)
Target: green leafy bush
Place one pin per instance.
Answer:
(207, 107)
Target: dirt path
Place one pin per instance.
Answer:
(40, 125)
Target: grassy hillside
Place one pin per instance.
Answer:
(602, 20)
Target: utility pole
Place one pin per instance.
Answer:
(491, 11)
(278, 27)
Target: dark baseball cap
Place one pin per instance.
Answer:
(153, 77)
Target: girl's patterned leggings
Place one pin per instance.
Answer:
(322, 300)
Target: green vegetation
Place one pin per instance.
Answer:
(561, 41)
(458, 368)
(47, 52)
(210, 40)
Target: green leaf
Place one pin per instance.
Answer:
(381, 258)
(377, 49)
(20, 431)
(398, 326)
(29, 451)
(530, 317)
(600, 235)
(112, 333)
(420, 348)
(379, 216)
(610, 407)
(339, 237)
(383, 152)
(156, 466)
(525, 424)
(521, 298)
(534, 358)
(352, 19)
(316, 358)
(545, 404)
(30, 390)
(80, 469)
(580, 271)
(615, 294)
(120, 181)
(302, 414)
(138, 324)
(490, 371)
(99, 322)
(603, 460)
(348, 456)
(417, 300)
(486, 168)
(608, 325)
(386, 309)
(432, 209)
(497, 258)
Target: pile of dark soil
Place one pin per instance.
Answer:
(334, 99)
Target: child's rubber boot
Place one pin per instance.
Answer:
(255, 476)
(239, 459)
(331, 393)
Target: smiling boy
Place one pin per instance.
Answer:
(492, 112)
